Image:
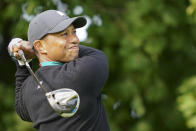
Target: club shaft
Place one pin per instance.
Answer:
(35, 77)
(20, 52)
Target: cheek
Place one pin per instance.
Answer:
(58, 45)
(57, 48)
(61, 43)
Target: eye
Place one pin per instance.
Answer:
(74, 32)
(64, 34)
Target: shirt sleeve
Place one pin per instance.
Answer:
(21, 75)
(92, 70)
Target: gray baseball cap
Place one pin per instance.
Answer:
(51, 21)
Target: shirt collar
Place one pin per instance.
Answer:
(50, 63)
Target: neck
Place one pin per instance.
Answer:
(45, 61)
(43, 58)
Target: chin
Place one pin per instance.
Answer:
(71, 58)
(75, 55)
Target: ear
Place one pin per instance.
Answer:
(40, 46)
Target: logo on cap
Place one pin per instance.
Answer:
(60, 13)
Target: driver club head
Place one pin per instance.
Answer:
(64, 101)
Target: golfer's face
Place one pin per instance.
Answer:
(63, 46)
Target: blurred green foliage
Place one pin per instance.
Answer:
(150, 46)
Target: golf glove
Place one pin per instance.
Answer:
(15, 41)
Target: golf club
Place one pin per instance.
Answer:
(64, 101)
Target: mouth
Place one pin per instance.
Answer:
(75, 47)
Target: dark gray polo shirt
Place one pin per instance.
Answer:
(86, 75)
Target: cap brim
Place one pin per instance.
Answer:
(77, 22)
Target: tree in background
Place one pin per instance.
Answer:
(186, 99)
(150, 46)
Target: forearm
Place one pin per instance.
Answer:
(21, 75)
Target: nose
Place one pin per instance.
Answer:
(74, 39)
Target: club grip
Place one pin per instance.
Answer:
(21, 54)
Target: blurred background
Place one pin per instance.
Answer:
(151, 48)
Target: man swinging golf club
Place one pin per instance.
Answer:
(64, 94)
